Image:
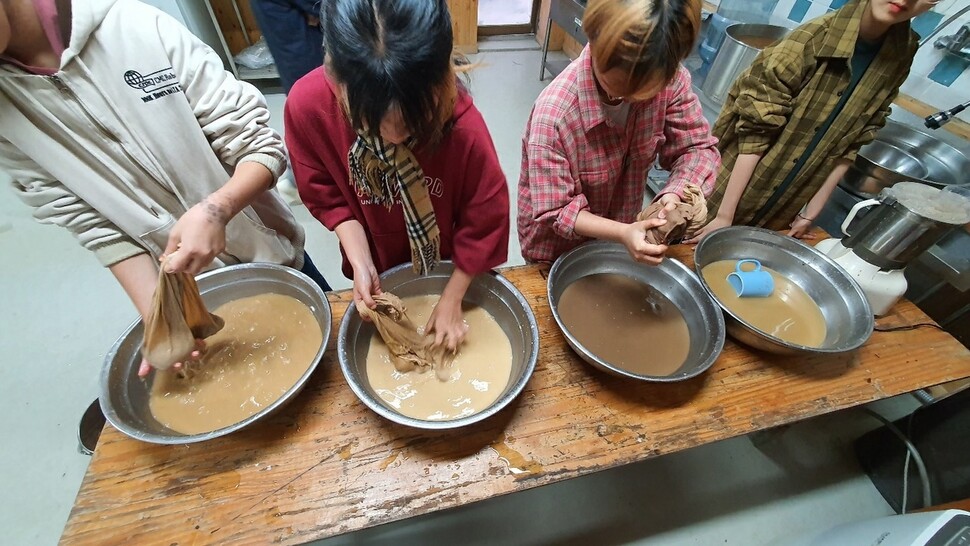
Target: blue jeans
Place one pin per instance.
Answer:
(296, 46)
(311, 271)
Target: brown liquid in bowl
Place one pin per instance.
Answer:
(626, 323)
(788, 313)
(268, 343)
(481, 370)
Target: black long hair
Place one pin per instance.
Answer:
(392, 53)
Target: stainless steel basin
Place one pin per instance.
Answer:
(902, 153)
(491, 292)
(844, 306)
(124, 396)
(671, 278)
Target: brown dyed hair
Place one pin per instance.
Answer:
(645, 38)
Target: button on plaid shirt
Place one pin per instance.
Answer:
(574, 158)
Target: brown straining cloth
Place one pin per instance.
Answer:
(409, 348)
(178, 318)
(687, 217)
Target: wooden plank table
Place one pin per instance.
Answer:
(328, 465)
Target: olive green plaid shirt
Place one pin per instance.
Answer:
(776, 106)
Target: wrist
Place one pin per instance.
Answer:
(218, 208)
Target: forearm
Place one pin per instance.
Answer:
(249, 181)
(597, 227)
(138, 276)
(353, 239)
(738, 182)
(457, 286)
(817, 203)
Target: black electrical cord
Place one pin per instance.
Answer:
(907, 327)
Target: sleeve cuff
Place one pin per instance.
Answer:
(114, 252)
(565, 225)
(753, 144)
(676, 188)
(276, 165)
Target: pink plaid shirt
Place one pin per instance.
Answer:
(574, 158)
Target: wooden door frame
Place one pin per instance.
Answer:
(524, 28)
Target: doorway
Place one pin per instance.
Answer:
(501, 17)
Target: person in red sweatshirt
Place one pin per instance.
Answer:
(390, 153)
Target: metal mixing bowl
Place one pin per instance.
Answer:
(124, 396)
(672, 278)
(901, 153)
(844, 306)
(492, 292)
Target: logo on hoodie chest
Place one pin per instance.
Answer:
(153, 86)
(435, 188)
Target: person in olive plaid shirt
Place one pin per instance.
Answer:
(795, 120)
(597, 129)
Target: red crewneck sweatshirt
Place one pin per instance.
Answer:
(468, 189)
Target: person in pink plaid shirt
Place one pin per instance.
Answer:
(597, 129)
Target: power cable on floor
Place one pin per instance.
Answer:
(911, 451)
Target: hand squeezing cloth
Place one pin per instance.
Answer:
(178, 318)
(686, 218)
(409, 348)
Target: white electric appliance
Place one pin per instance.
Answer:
(941, 528)
(908, 219)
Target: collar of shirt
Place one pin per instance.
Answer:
(590, 106)
(843, 32)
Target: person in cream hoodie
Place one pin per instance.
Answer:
(119, 125)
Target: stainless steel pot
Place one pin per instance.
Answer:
(904, 154)
(742, 43)
(891, 235)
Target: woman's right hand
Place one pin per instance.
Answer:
(714, 225)
(367, 283)
(144, 368)
(634, 238)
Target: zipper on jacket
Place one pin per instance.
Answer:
(65, 89)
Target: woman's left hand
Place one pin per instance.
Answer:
(669, 201)
(198, 237)
(447, 324)
(801, 228)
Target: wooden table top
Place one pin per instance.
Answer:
(328, 465)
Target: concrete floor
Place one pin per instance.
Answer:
(62, 312)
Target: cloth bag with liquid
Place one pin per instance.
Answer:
(178, 318)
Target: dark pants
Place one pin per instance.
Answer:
(311, 271)
(296, 46)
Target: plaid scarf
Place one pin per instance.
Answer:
(390, 173)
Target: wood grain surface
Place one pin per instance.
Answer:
(238, 37)
(327, 464)
(464, 24)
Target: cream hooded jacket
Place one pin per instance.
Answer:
(140, 123)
